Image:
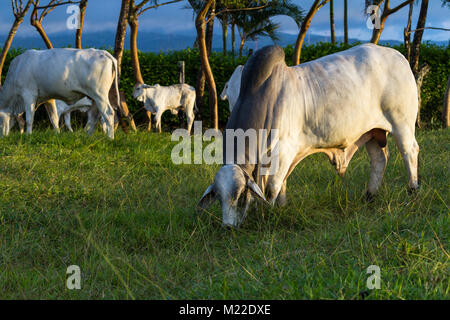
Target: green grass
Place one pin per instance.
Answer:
(126, 215)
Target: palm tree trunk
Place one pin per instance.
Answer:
(233, 39)
(79, 32)
(407, 34)
(241, 46)
(415, 50)
(333, 36)
(224, 36)
(345, 22)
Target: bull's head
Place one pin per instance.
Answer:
(235, 190)
(224, 94)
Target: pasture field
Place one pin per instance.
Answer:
(125, 214)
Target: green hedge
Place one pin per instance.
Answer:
(162, 68)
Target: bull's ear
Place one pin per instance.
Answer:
(145, 86)
(254, 188)
(207, 199)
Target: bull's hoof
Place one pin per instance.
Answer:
(370, 197)
(413, 191)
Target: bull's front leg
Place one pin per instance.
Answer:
(281, 199)
(53, 115)
(149, 116)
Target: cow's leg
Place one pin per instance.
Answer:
(21, 122)
(67, 119)
(407, 144)
(93, 117)
(149, 116)
(281, 199)
(52, 112)
(190, 118)
(378, 161)
(30, 109)
(158, 119)
(107, 112)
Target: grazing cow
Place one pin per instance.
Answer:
(69, 75)
(232, 87)
(158, 99)
(333, 105)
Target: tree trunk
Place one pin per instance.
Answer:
(233, 40)
(407, 34)
(376, 33)
(209, 34)
(415, 50)
(304, 28)
(41, 31)
(224, 36)
(345, 22)
(134, 25)
(420, 77)
(446, 110)
(333, 36)
(200, 26)
(241, 46)
(201, 78)
(119, 42)
(8, 43)
(83, 5)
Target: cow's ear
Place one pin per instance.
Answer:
(207, 199)
(254, 188)
(145, 86)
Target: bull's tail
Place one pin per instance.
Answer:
(116, 80)
(195, 107)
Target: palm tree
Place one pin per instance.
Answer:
(253, 24)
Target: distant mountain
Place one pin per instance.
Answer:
(159, 41)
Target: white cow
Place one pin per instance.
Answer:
(232, 87)
(334, 105)
(158, 99)
(36, 77)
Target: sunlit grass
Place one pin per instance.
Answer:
(126, 215)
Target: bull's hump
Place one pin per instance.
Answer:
(260, 66)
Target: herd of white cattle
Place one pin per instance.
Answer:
(65, 80)
(332, 105)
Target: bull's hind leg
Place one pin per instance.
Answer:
(407, 144)
(67, 120)
(107, 113)
(378, 160)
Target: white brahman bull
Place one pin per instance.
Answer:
(333, 105)
(36, 77)
(232, 87)
(158, 99)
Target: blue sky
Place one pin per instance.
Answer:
(102, 15)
